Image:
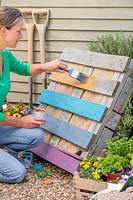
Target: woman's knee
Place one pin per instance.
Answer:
(38, 134)
(18, 175)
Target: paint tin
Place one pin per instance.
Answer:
(39, 113)
(26, 159)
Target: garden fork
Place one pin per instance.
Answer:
(30, 34)
(41, 28)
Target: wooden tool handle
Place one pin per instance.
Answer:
(40, 11)
(41, 28)
(26, 10)
(30, 33)
(35, 14)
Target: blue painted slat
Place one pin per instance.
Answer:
(67, 131)
(72, 104)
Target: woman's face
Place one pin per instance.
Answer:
(13, 35)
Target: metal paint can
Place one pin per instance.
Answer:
(39, 113)
(26, 159)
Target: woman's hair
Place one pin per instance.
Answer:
(9, 16)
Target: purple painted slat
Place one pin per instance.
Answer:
(71, 154)
(57, 157)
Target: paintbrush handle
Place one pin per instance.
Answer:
(66, 70)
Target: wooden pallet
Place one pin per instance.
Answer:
(84, 189)
(81, 117)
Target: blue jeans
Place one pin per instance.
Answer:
(11, 170)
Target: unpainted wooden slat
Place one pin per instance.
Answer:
(106, 135)
(91, 25)
(55, 46)
(75, 105)
(97, 60)
(24, 79)
(123, 98)
(23, 87)
(92, 13)
(15, 97)
(95, 84)
(65, 130)
(22, 55)
(113, 121)
(66, 36)
(69, 3)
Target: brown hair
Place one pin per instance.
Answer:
(9, 16)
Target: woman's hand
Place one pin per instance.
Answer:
(55, 65)
(52, 66)
(29, 121)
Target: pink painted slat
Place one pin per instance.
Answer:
(57, 157)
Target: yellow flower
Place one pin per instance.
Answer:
(86, 166)
(99, 158)
(95, 164)
(82, 163)
(7, 113)
(16, 115)
(96, 175)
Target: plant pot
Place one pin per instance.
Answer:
(113, 176)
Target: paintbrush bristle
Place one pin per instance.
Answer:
(78, 75)
(73, 73)
(82, 77)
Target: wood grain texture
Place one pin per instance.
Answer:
(57, 157)
(123, 98)
(100, 85)
(75, 105)
(113, 120)
(97, 60)
(67, 131)
(89, 185)
(70, 3)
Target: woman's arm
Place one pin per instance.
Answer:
(48, 66)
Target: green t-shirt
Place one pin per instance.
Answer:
(10, 64)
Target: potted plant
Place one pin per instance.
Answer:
(112, 166)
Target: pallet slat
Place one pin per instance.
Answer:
(75, 105)
(94, 84)
(71, 133)
(97, 60)
(57, 157)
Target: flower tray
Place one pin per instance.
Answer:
(84, 189)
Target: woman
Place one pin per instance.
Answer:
(16, 132)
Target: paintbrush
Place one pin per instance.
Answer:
(77, 75)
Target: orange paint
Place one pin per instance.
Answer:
(39, 110)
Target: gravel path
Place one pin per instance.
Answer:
(33, 187)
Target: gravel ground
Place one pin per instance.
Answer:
(33, 187)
